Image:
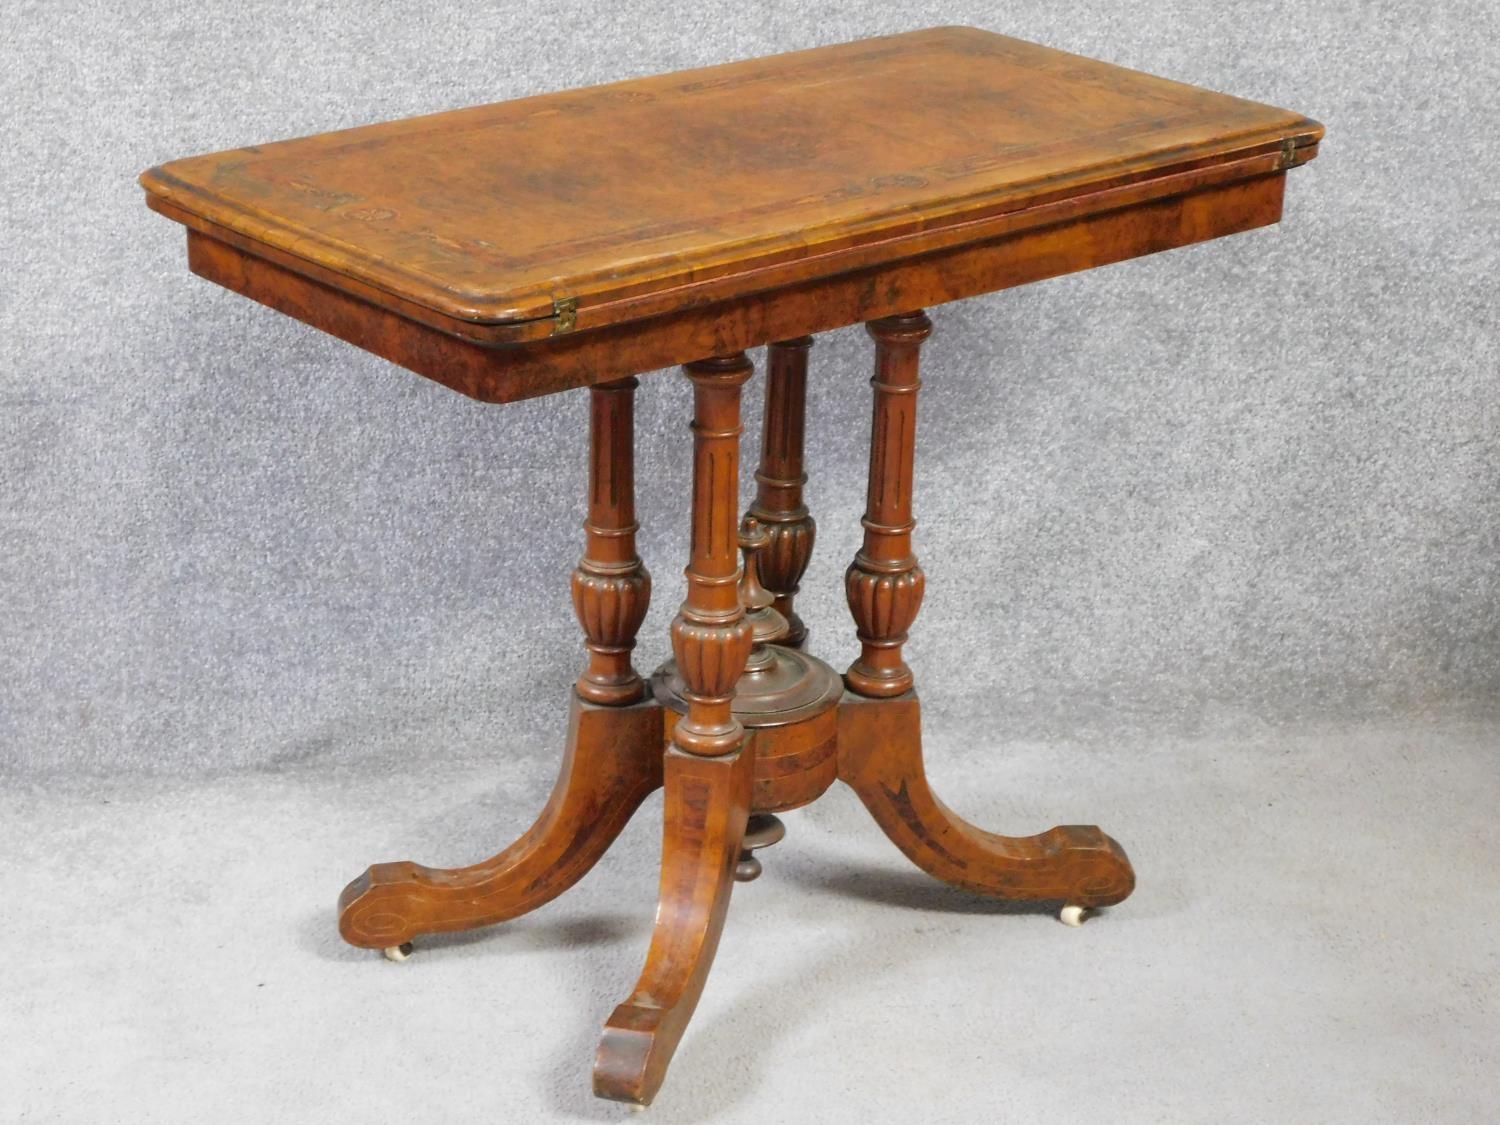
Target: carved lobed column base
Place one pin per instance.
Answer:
(782, 562)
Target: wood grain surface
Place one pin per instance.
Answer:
(641, 197)
(579, 239)
(880, 758)
(1193, 211)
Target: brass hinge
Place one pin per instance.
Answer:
(1288, 153)
(565, 309)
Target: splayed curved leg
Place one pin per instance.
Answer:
(707, 805)
(612, 764)
(880, 725)
(880, 757)
(709, 767)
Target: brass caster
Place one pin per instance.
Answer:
(1073, 915)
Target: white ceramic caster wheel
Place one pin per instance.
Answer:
(1073, 915)
(397, 953)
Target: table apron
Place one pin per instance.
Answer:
(510, 372)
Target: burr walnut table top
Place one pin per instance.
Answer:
(517, 221)
(579, 239)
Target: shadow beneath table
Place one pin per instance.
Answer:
(718, 1064)
(318, 934)
(911, 890)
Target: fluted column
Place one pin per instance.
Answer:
(611, 589)
(884, 583)
(778, 502)
(710, 636)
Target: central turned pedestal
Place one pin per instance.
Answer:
(742, 723)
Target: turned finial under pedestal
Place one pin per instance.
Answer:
(767, 622)
(762, 831)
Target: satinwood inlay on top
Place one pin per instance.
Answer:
(655, 194)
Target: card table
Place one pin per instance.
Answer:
(580, 239)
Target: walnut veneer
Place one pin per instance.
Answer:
(580, 239)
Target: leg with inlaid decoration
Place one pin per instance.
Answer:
(709, 768)
(612, 760)
(880, 728)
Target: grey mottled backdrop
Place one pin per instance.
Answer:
(1235, 486)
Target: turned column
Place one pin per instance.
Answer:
(711, 637)
(778, 502)
(884, 583)
(611, 588)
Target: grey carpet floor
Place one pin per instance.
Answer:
(1314, 939)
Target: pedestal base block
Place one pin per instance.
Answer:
(788, 703)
